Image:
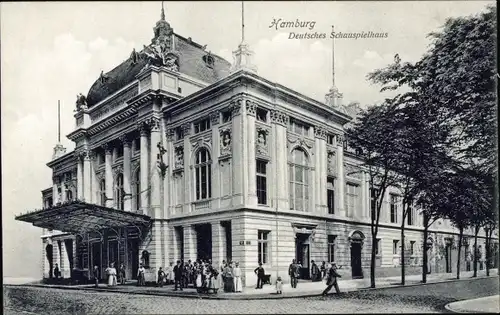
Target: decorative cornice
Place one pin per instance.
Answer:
(279, 118)
(186, 129)
(215, 118)
(170, 134)
(300, 140)
(251, 107)
(236, 107)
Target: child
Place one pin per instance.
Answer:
(279, 286)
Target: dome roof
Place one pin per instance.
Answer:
(192, 62)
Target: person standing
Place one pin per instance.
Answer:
(293, 272)
(259, 271)
(323, 270)
(238, 287)
(57, 273)
(121, 274)
(161, 277)
(228, 276)
(141, 281)
(178, 275)
(315, 273)
(170, 273)
(95, 274)
(279, 286)
(111, 273)
(332, 280)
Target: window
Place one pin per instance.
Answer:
(202, 125)
(102, 192)
(100, 158)
(203, 175)
(137, 192)
(410, 215)
(412, 247)
(137, 145)
(261, 114)
(330, 195)
(119, 200)
(145, 258)
(263, 246)
(394, 208)
(373, 202)
(351, 199)
(377, 247)
(395, 247)
(299, 127)
(226, 116)
(119, 151)
(330, 139)
(179, 134)
(299, 181)
(331, 248)
(261, 182)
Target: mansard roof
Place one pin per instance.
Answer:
(192, 58)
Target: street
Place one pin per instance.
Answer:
(422, 298)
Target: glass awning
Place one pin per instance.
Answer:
(80, 217)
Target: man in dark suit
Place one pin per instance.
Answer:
(178, 275)
(95, 275)
(332, 279)
(293, 272)
(259, 271)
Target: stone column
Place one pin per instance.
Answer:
(217, 138)
(281, 158)
(324, 163)
(188, 173)
(319, 173)
(238, 167)
(249, 158)
(154, 152)
(79, 177)
(108, 173)
(87, 176)
(218, 237)
(127, 188)
(340, 175)
(144, 161)
(190, 243)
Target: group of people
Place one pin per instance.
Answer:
(113, 276)
(203, 275)
(328, 273)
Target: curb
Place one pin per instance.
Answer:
(263, 296)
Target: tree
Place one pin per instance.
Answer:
(372, 136)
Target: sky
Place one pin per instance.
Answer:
(54, 50)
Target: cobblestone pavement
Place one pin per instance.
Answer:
(426, 298)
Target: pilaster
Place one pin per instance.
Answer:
(87, 176)
(144, 167)
(217, 138)
(218, 244)
(79, 177)
(340, 176)
(154, 125)
(108, 173)
(280, 160)
(188, 174)
(190, 243)
(238, 148)
(249, 158)
(127, 188)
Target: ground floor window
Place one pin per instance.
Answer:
(263, 246)
(331, 247)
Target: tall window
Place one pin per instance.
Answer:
(331, 247)
(137, 188)
(263, 246)
(395, 245)
(299, 127)
(330, 195)
(299, 181)
(410, 215)
(102, 192)
(202, 125)
(227, 116)
(203, 175)
(261, 182)
(330, 139)
(179, 134)
(412, 247)
(119, 200)
(351, 199)
(261, 114)
(394, 208)
(377, 247)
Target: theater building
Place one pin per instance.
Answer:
(180, 154)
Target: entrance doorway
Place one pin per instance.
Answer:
(356, 239)
(96, 251)
(113, 253)
(133, 257)
(447, 256)
(49, 253)
(302, 254)
(68, 244)
(204, 241)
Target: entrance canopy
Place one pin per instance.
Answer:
(80, 217)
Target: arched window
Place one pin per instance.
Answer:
(137, 189)
(119, 201)
(299, 180)
(102, 192)
(203, 176)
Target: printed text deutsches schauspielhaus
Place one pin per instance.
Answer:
(337, 35)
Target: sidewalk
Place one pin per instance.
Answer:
(304, 288)
(490, 304)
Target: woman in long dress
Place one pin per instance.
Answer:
(215, 279)
(111, 272)
(228, 275)
(169, 272)
(221, 274)
(238, 286)
(141, 281)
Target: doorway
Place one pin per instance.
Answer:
(133, 257)
(447, 256)
(49, 254)
(302, 254)
(96, 251)
(356, 268)
(204, 241)
(226, 225)
(113, 253)
(68, 244)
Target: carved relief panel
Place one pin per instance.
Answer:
(179, 157)
(331, 162)
(262, 141)
(225, 141)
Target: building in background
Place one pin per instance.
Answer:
(180, 154)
